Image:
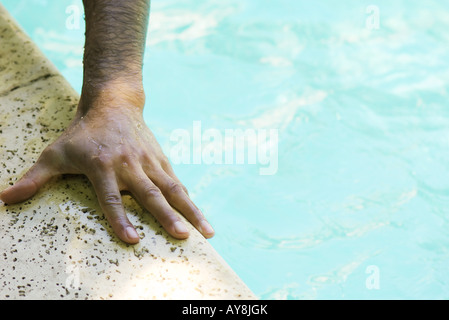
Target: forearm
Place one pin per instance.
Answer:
(114, 49)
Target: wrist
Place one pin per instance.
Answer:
(119, 93)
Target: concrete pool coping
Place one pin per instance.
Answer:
(57, 245)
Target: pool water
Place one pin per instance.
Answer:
(358, 206)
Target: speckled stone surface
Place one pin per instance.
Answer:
(58, 245)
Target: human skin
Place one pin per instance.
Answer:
(108, 140)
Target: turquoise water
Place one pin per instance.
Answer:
(358, 207)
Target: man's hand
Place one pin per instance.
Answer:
(114, 148)
(108, 140)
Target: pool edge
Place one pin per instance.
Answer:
(56, 246)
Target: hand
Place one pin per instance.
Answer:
(114, 148)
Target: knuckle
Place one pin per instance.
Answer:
(101, 162)
(151, 191)
(112, 200)
(165, 161)
(127, 157)
(150, 166)
(175, 188)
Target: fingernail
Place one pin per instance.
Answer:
(180, 227)
(206, 227)
(131, 233)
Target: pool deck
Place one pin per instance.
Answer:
(58, 245)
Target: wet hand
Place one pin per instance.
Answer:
(115, 149)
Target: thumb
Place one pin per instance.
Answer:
(28, 185)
